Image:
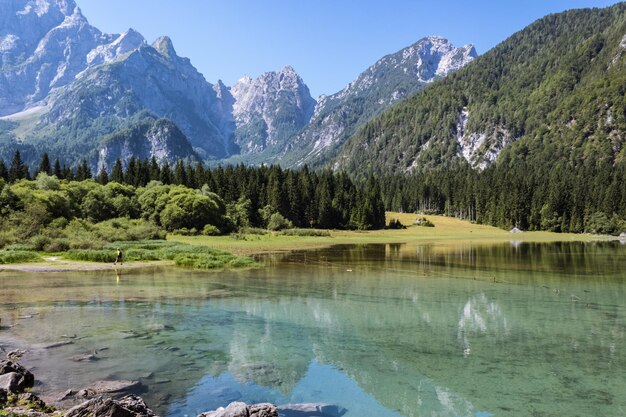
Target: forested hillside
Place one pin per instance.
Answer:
(530, 134)
(556, 89)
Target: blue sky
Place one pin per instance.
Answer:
(328, 42)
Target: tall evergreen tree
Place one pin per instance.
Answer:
(117, 173)
(155, 170)
(103, 177)
(83, 172)
(44, 165)
(4, 174)
(166, 174)
(57, 169)
(18, 170)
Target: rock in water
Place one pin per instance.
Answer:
(239, 409)
(129, 406)
(102, 387)
(311, 410)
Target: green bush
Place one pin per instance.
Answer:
(396, 224)
(242, 262)
(253, 231)
(92, 255)
(278, 222)
(57, 245)
(26, 247)
(199, 261)
(139, 254)
(210, 230)
(424, 222)
(305, 232)
(17, 256)
(38, 242)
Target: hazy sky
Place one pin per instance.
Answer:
(328, 42)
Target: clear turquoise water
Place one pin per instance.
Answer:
(380, 330)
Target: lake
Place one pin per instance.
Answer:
(512, 329)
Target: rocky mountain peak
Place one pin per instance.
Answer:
(124, 43)
(165, 46)
(261, 102)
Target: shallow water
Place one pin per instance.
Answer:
(380, 330)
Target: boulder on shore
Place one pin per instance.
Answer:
(129, 406)
(239, 409)
(14, 378)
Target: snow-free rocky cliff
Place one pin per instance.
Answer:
(390, 79)
(75, 92)
(269, 110)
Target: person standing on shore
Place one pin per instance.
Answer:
(118, 258)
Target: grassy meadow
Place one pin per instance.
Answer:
(446, 230)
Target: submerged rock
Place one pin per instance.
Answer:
(107, 387)
(239, 409)
(311, 410)
(129, 406)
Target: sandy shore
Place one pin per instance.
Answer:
(57, 264)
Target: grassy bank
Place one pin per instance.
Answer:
(446, 230)
(135, 253)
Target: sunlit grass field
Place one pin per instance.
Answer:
(447, 229)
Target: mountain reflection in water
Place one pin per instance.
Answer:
(398, 330)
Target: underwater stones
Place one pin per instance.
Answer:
(239, 409)
(311, 410)
(105, 387)
(129, 406)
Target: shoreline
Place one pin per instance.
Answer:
(447, 231)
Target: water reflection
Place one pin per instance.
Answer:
(392, 330)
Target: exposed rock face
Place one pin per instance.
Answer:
(70, 80)
(43, 45)
(389, 80)
(480, 148)
(159, 138)
(239, 409)
(129, 406)
(270, 109)
(14, 377)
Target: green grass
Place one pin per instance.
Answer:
(446, 230)
(192, 256)
(18, 256)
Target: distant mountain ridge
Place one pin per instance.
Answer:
(66, 88)
(391, 79)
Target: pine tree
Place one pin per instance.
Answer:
(18, 170)
(44, 165)
(166, 174)
(57, 169)
(103, 177)
(180, 174)
(155, 170)
(83, 172)
(4, 174)
(117, 173)
(131, 172)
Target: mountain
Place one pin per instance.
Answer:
(551, 93)
(65, 87)
(270, 109)
(44, 45)
(391, 79)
